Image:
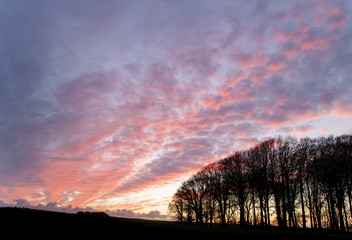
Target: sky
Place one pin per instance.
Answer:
(110, 105)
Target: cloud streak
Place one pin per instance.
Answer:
(100, 102)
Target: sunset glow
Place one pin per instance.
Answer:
(111, 105)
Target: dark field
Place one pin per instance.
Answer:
(20, 222)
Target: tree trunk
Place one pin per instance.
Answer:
(242, 220)
(254, 217)
(349, 197)
(200, 211)
(302, 203)
(278, 211)
(340, 208)
(311, 211)
(268, 209)
(261, 210)
(332, 211)
(284, 210)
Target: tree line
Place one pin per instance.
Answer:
(281, 181)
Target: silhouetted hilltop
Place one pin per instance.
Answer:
(46, 225)
(32, 221)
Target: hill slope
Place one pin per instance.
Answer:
(46, 224)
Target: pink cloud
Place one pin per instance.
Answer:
(275, 66)
(248, 60)
(332, 15)
(146, 102)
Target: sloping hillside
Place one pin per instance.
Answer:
(19, 222)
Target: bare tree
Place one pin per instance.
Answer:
(307, 182)
(219, 187)
(177, 207)
(235, 173)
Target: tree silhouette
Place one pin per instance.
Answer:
(305, 183)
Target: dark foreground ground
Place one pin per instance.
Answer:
(20, 222)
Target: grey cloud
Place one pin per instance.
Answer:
(52, 206)
(74, 73)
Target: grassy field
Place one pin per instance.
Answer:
(45, 224)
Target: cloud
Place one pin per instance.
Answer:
(125, 213)
(23, 203)
(296, 129)
(53, 206)
(102, 100)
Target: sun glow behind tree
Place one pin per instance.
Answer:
(280, 181)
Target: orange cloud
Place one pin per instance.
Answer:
(275, 66)
(248, 60)
(316, 44)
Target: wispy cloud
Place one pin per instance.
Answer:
(103, 100)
